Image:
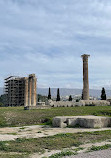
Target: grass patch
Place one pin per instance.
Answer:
(9, 155)
(3, 146)
(22, 127)
(78, 149)
(96, 148)
(63, 153)
(39, 132)
(16, 116)
(12, 133)
(57, 142)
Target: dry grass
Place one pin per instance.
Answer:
(16, 116)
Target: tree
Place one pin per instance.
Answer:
(70, 98)
(2, 100)
(38, 99)
(58, 95)
(49, 94)
(41, 98)
(82, 95)
(103, 94)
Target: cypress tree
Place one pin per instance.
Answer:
(82, 95)
(49, 94)
(58, 95)
(70, 98)
(103, 94)
(38, 99)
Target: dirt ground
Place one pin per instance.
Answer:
(36, 131)
(85, 146)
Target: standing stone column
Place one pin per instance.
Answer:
(29, 90)
(33, 98)
(35, 93)
(85, 77)
(26, 92)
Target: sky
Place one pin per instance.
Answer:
(48, 37)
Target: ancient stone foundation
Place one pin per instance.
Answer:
(82, 121)
(80, 103)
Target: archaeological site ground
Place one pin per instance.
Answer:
(29, 133)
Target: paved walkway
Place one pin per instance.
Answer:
(95, 154)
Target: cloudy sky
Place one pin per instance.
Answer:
(47, 37)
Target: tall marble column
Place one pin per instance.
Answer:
(33, 98)
(85, 77)
(29, 90)
(26, 92)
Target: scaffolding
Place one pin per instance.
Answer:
(20, 91)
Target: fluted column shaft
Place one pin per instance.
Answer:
(29, 91)
(26, 92)
(33, 97)
(85, 77)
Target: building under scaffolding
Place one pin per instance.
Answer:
(21, 91)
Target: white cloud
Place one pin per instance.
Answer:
(48, 37)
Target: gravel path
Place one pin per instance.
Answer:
(95, 154)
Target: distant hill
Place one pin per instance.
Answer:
(67, 92)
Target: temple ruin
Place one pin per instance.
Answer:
(21, 91)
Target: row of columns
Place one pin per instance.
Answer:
(30, 93)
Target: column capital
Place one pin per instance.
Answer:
(85, 56)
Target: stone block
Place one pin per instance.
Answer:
(59, 122)
(82, 121)
(72, 121)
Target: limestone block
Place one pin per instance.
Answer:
(59, 122)
(80, 103)
(94, 122)
(72, 121)
(89, 122)
(82, 121)
(106, 122)
(95, 102)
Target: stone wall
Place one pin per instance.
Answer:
(80, 103)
